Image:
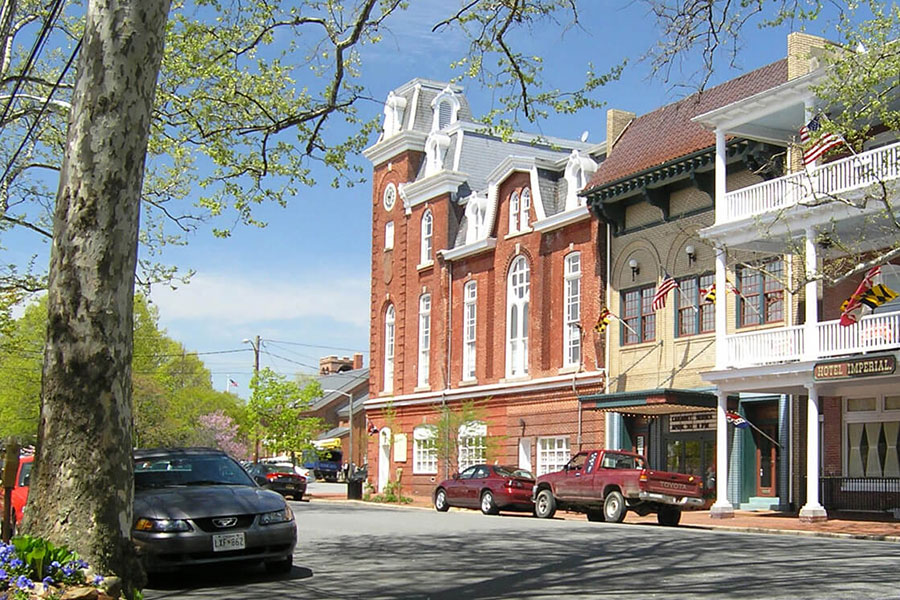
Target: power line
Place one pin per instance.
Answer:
(315, 346)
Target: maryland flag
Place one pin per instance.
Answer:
(603, 320)
(709, 295)
(851, 308)
(878, 295)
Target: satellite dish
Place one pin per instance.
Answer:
(584, 135)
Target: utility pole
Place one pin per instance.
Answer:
(255, 345)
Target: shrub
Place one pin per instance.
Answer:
(29, 565)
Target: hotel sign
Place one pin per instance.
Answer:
(704, 421)
(870, 366)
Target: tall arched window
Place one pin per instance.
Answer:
(525, 210)
(472, 444)
(389, 317)
(424, 338)
(572, 306)
(518, 291)
(514, 212)
(425, 455)
(425, 254)
(470, 295)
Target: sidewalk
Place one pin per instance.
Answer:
(868, 526)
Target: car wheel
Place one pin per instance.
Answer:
(440, 501)
(668, 516)
(487, 503)
(545, 505)
(614, 507)
(298, 497)
(595, 515)
(280, 566)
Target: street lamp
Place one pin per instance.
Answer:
(350, 420)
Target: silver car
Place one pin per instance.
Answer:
(196, 506)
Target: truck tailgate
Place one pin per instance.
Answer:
(674, 484)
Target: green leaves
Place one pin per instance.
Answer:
(275, 411)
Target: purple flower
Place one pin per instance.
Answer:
(48, 581)
(3, 574)
(67, 571)
(98, 579)
(23, 583)
(55, 564)
(16, 563)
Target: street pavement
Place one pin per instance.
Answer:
(350, 549)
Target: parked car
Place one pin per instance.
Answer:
(20, 489)
(278, 478)
(606, 484)
(491, 488)
(195, 506)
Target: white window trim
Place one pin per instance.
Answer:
(425, 458)
(561, 449)
(471, 453)
(390, 197)
(880, 414)
(389, 347)
(424, 339)
(517, 341)
(426, 246)
(389, 235)
(514, 213)
(470, 327)
(525, 210)
(572, 325)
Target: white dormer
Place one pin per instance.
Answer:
(578, 170)
(476, 218)
(445, 109)
(436, 147)
(393, 115)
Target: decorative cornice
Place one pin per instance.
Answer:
(384, 150)
(417, 192)
(562, 219)
(469, 249)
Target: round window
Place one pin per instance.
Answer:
(390, 196)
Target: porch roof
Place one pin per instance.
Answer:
(665, 401)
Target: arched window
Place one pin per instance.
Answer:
(572, 307)
(514, 212)
(389, 317)
(424, 338)
(425, 456)
(425, 253)
(470, 295)
(518, 291)
(389, 235)
(472, 444)
(525, 210)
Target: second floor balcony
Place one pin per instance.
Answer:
(873, 333)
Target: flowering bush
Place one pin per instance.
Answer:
(30, 566)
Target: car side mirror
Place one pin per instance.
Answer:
(456, 476)
(261, 480)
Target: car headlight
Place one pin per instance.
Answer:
(279, 516)
(162, 525)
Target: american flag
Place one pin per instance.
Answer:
(736, 419)
(662, 291)
(822, 145)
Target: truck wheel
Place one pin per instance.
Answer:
(614, 507)
(545, 505)
(487, 503)
(668, 516)
(440, 501)
(595, 515)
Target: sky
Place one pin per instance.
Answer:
(302, 283)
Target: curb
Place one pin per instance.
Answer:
(873, 537)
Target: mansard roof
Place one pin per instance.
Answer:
(668, 133)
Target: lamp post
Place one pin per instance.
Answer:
(350, 420)
(255, 346)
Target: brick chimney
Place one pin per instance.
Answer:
(616, 122)
(358, 361)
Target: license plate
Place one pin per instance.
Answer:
(228, 541)
(291, 486)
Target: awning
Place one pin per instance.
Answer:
(651, 402)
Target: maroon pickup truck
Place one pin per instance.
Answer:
(605, 484)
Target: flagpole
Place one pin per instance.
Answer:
(683, 295)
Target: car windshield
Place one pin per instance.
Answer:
(513, 472)
(209, 469)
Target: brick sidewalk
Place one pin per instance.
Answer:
(874, 526)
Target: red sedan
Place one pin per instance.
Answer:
(20, 491)
(491, 488)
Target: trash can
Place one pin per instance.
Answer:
(355, 483)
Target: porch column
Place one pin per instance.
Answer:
(722, 508)
(721, 307)
(811, 329)
(721, 173)
(812, 511)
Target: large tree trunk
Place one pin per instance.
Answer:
(81, 495)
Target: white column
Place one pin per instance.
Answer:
(722, 508)
(812, 510)
(811, 329)
(721, 174)
(721, 308)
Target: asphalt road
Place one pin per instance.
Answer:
(353, 550)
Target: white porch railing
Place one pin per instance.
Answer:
(786, 344)
(838, 177)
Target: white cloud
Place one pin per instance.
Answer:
(232, 299)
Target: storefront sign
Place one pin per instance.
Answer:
(692, 422)
(860, 367)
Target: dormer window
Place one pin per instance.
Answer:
(476, 218)
(436, 147)
(445, 107)
(519, 211)
(578, 170)
(393, 115)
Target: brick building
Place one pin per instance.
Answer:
(486, 277)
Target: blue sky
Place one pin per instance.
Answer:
(302, 283)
